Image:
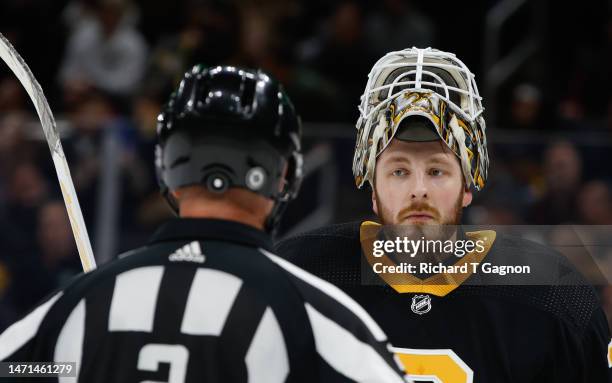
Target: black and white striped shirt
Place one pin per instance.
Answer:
(206, 301)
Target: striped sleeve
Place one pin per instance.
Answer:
(346, 337)
(17, 341)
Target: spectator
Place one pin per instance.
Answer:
(208, 35)
(341, 54)
(526, 107)
(56, 246)
(109, 176)
(582, 247)
(152, 209)
(595, 208)
(595, 203)
(264, 43)
(27, 191)
(105, 52)
(12, 96)
(14, 146)
(48, 264)
(562, 171)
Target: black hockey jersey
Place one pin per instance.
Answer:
(471, 332)
(206, 301)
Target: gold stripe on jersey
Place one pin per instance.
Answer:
(438, 284)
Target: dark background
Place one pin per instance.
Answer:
(107, 66)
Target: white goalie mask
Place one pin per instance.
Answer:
(427, 83)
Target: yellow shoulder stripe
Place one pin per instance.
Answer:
(438, 284)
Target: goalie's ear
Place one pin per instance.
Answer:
(374, 203)
(467, 197)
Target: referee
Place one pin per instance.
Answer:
(206, 300)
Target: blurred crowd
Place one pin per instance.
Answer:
(107, 66)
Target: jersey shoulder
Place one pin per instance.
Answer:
(554, 285)
(331, 252)
(339, 231)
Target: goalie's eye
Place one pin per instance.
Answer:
(436, 172)
(399, 172)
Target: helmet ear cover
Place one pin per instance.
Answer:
(219, 163)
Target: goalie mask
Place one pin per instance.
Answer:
(228, 127)
(431, 84)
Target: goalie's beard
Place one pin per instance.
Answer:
(442, 229)
(386, 217)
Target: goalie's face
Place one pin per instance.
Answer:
(419, 183)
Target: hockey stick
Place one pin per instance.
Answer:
(25, 76)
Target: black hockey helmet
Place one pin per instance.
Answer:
(230, 127)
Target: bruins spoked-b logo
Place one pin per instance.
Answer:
(421, 304)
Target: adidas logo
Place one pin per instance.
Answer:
(188, 253)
